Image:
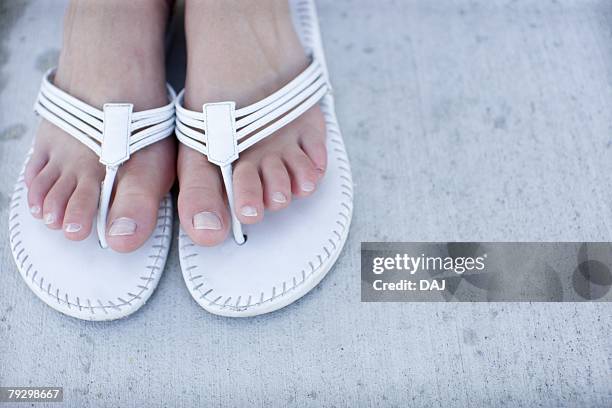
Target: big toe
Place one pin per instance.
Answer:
(201, 206)
(140, 187)
(132, 218)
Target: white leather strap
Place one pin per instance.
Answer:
(221, 132)
(226, 173)
(113, 133)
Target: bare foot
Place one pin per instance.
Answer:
(243, 51)
(112, 52)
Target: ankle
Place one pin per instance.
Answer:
(122, 46)
(254, 43)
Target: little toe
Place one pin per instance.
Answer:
(302, 170)
(248, 193)
(35, 164)
(201, 207)
(40, 152)
(56, 200)
(276, 183)
(81, 210)
(40, 186)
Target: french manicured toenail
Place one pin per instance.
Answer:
(49, 218)
(248, 211)
(207, 220)
(122, 226)
(73, 227)
(35, 210)
(308, 186)
(279, 198)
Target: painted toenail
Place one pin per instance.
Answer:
(207, 220)
(122, 226)
(279, 198)
(308, 187)
(35, 210)
(49, 218)
(73, 227)
(248, 211)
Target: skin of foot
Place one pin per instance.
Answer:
(112, 52)
(242, 51)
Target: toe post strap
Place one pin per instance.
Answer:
(222, 150)
(115, 150)
(221, 132)
(115, 147)
(113, 133)
(237, 232)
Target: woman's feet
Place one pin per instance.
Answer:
(243, 51)
(240, 51)
(112, 52)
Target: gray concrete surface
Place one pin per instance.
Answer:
(464, 120)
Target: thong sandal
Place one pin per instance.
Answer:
(275, 262)
(85, 279)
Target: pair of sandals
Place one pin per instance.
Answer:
(261, 270)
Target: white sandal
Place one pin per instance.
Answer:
(289, 253)
(84, 279)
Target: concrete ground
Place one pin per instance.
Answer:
(465, 120)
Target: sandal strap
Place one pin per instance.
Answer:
(221, 132)
(113, 133)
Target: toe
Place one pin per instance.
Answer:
(201, 206)
(302, 170)
(35, 164)
(276, 183)
(248, 193)
(40, 153)
(312, 142)
(56, 200)
(81, 210)
(40, 186)
(133, 214)
(141, 184)
(132, 217)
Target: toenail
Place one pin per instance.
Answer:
(248, 211)
(122, 226)
(49, 218)
(35, 210)
(279, 198)
(207, 220)
(73, 227)
(308, 187)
